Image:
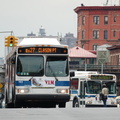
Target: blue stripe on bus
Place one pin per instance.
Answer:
(23, 83)
(74, 92)
(110, 96)
(62, 83)
(57, 83)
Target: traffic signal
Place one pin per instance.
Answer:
(11, 41)
(6, 42)
(15, 41)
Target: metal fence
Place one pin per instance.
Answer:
(101, 68)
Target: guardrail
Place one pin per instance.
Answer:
(86, 67)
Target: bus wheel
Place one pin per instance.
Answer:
(62, 105)
(17, 105)
(6, 101)
(75, 103)
(53, 105)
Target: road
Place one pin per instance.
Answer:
(67, 113)
(60, 113)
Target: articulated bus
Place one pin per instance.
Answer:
(37, 74)
(85, 89)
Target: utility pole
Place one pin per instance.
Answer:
(106, 2)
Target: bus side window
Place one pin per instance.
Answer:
(74, 84)
(85, 84)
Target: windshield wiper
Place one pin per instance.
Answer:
(52, 72)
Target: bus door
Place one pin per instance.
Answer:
(74, 82)
(82, 93)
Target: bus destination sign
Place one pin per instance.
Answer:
(42, 50)
(101, 77)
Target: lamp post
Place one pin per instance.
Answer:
(7, 32)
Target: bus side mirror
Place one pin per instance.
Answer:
(72, 74)
(1, 96)
(13, 60)
(116, 88)
(85, 84)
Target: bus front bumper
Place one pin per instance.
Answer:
(99, 105)
(43, 97)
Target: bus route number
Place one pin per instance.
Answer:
(43, 50)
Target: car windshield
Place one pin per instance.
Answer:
(56, 66)
(30, 65)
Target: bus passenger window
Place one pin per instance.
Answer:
(74, 84)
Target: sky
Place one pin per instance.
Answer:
(26, 16)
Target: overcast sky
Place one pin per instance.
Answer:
(56, 16)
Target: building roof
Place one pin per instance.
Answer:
(114, 47)
(103, 47)
(81, 8)
(78, 52)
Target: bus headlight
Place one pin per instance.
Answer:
(113, 103)
(23, 90)
(62, 91)
(89, 102)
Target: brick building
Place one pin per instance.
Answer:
(97, 25)
(114, 54)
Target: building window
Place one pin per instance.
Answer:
(105, 20)
(83, 46)
(95, 47)
(114, 33)
(114, 18)
(83, 20)
(95, 34)
(83, 34)
(96, 20)
(105, 34)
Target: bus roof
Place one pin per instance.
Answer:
(39, 41)
(36, 42)
(82, 73)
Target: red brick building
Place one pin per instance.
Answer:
(114, 54)
(97, 25)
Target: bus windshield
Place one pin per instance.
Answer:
(56, 66)
(95, 87)
(30, 65)
(111, 85)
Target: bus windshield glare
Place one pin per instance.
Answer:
(94, 87)
(33, 65)
(30, 65)
(56, 66)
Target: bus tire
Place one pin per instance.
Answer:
(6, 100)
(17, 105)
(75, 103)
(62, 105)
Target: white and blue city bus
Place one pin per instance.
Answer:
(85, 89)
(37, 74)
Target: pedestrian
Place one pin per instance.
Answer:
(105, 94)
